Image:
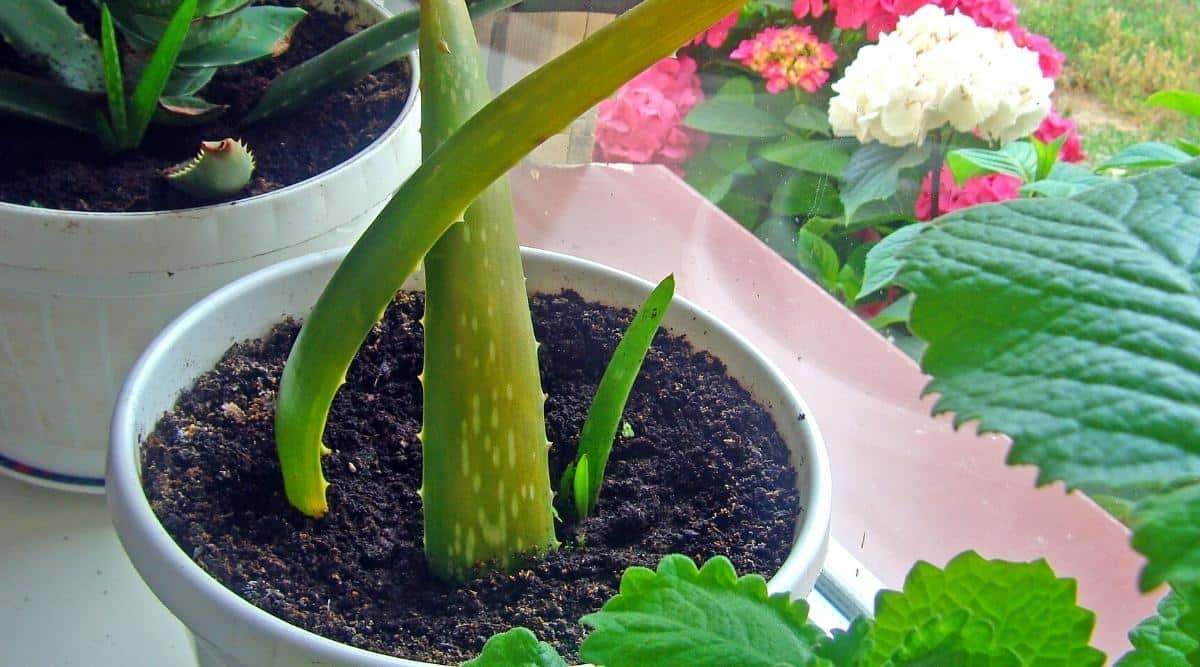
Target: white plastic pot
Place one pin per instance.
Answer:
(229, 630)
(81, 294)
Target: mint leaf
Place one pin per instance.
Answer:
(873, 173)
(516, 648)
(1065, 180)
(710, 617)
(1166, 529)
(1158, 641)
(884, 261)
(982, 612)
(1073, 325)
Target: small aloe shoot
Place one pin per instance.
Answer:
(126, 122)
(220, 169)
(586, 473)
(469, 158)
(349, 60)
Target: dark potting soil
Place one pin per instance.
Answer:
(46, 166)
(705, 473)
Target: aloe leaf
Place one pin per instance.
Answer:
(42, 31)
(158, 71)
(580, 491)
(486, 477)
(978, 611)
(435, 197)
(350, 60)
(604, 415)
(260, 32)
(706, 617)
(186, 81)
(114, 84)
(42, 101)
(186, 111)
(518, 647)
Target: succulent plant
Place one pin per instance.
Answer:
(220, 168)
(486, 488)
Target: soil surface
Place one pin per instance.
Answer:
(705, 473)
(56, 168)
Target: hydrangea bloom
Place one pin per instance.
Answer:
(1054, 127)
(786, 57)
(978, 190)
(717, 35)
(877, 15)
(644, 121)
(813, 8)
(1049, 58)
(936, 70)
(997, 14)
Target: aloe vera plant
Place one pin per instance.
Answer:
(486, 488)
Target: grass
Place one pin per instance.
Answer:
(1119, 52)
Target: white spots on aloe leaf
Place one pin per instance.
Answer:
(466, 232)
(512, 451)
(514, 505)
(477, 482)
(487, 442)
(483, 237)
(508, 391)
(495, 417)
(462, 320)
(458, 351)
(469, 551)
(475, 323)
(492, 351)
(487, 261)
(466, 459)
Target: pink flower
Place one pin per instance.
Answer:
(1054, 127)
(996, 14)
(719, 33)
(643, 122)
(874, 14)
(813, 8)
(786, 57)
(1050, 58)
(978, 190)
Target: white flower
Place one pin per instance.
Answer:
(937, 70)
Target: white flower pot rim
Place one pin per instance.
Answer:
(37, 213)
(132, 512)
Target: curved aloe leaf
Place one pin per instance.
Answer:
(350, 60)
(436, 196)
(604, 415)
(260, 32)
(42, 31)
(42, 101)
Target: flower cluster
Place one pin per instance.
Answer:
(787, 57)
(936, 70)
(1054, 127)
(978, 190)
(644, 121)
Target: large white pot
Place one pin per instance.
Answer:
(81, 294)
(231, 631)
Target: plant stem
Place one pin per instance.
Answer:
(935, 174)
(486, 478)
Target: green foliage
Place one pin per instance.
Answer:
(982, 612)
(1148, 155)
(220, 169)
(350, 60)
(1179, 100)
(1159, 642)
(1064, 180)
(707, 617)
(41, 31)
(873, 173)
(732, 117)
(1019, 159)
(604, 414)
(516, 648)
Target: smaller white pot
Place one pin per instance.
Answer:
(232, 632)
(81, 294)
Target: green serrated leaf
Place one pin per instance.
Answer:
(873, 173)
(884, 261)
(809, 118)
(1166, 529)
(820, 156)
(1065, 180)
(114, 84)
(985, 612)
(849, 647)
(518, 647)
(723, 115)
(1018, 158)
(897, 312)
(710, 617)
(1177, 100)
(1158, 641)
(1147, 155)
(1073, 325)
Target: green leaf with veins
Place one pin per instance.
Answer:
(1019, 159)
(516, 648)
(710, 617)
(1166, 529)
(1179, 100)
(1158, 641)
(873, 173)
(809, 118)
(982, 612)
(1072, 325)
(725, 115)
(1148, 155)
(1065, 180)
(819, 156)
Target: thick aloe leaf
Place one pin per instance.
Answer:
(486, 480)
(258, 32)
(435, 197)
(350, 60)
(41, 101)
(114, 83)
(604, 415)
(707, 617)
(979, 612)
(516, 648)
(185, 111)
(158, 70)
(42, 31)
